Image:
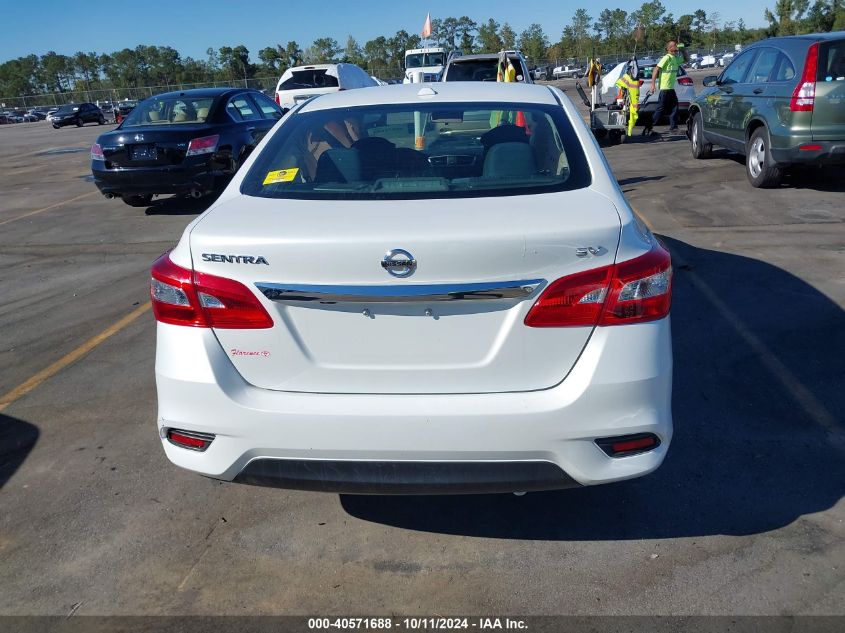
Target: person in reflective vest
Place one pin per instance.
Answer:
(594, 78)
(506, 72)
(667, 68)
(628, 82)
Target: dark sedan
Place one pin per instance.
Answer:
(78, 114)
(187, 143)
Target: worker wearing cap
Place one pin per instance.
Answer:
(667, 68)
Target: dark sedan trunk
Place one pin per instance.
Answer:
(149, 146)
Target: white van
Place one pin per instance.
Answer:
(300, 83)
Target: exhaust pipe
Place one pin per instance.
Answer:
(196, 194)
(109, 196)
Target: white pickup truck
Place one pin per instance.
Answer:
(566, 72)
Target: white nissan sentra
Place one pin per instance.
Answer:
(429, 288)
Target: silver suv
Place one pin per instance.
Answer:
(483, 67)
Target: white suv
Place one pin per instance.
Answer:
(438, 290)
(300, 83)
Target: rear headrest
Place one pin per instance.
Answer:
(338, 165)
(507, 133)
(154, 116)
(202, 114)
(510, 159)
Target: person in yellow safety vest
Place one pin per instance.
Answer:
(667, 99)
(594, 72)
(632, 85)
(507, 73)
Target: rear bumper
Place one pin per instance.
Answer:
(170, 179)
(829, 153)
(420, 442)
(397, 477)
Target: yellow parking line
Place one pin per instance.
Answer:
(52, 206)
(30, 384)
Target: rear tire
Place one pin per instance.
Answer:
(138, 200)
(79, 122)
(55, 127)
(101, 120)
(759, 166)
(700, 147)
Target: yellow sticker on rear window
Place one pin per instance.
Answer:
(281, 175)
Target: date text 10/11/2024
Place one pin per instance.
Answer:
(429, 623)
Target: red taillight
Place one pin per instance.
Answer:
(574, 300)
(804, 95)
(641, 289)
(278, 100)
(97, 152)
(634, 291)
(685, 81)
(195, 299)
(203, 145)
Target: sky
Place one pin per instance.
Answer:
(191, 26)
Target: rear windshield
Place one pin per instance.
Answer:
(65, 109)
(418, 60)
(477, 70)
(420, 151)
(169, 111)
(311, 78)
(832, 61)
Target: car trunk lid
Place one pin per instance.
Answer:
(149, 146)
(344, 324)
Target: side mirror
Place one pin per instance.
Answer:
(710, 81)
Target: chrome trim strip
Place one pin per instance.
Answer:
(418, 293)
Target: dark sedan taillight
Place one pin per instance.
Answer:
(203, 145)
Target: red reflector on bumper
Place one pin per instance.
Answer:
(624, 445)
(189, 439)
(810, 148)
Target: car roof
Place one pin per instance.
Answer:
(483, 56)
(199, 93)
(456, 92)
(835, 35)
(312, 67)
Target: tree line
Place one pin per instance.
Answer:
(611, 31)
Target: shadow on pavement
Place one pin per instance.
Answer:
(638, 179)
(829, 178)
(17, 438)
(759, 439)
(180, 205)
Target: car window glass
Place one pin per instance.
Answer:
(832, 61)
(762, 69)
(784, 70)
(168, 111)
(736, 72)
(420, 151)
(241, 109)
(309, 78)
(269, 108)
